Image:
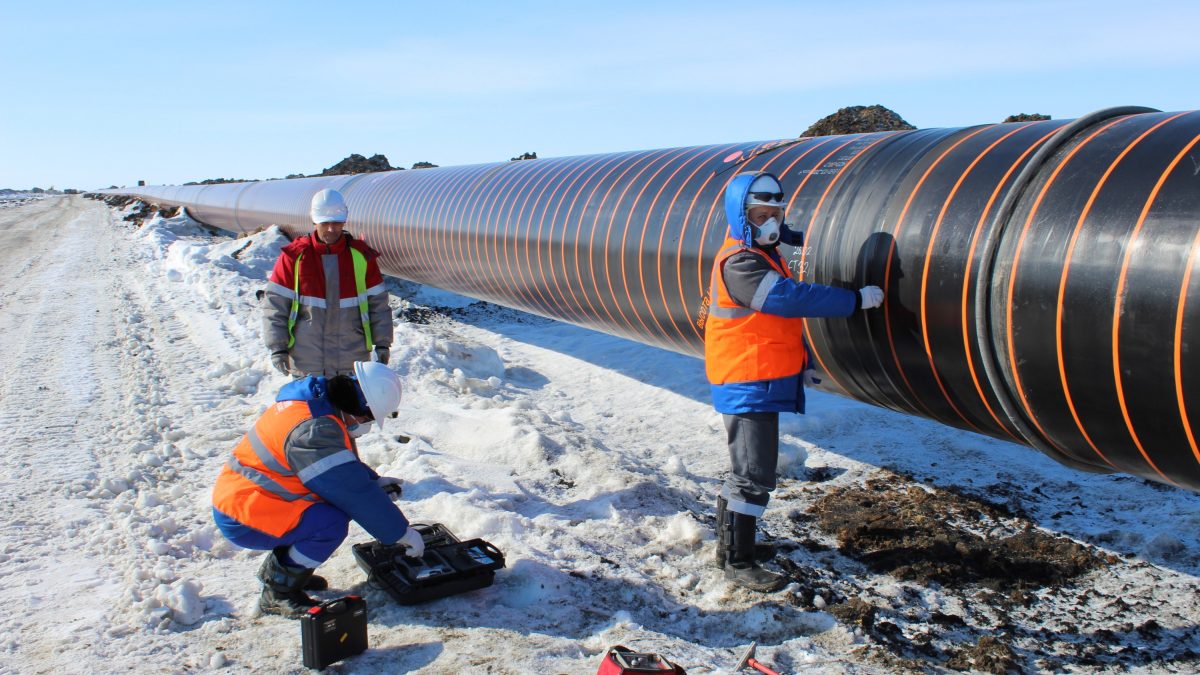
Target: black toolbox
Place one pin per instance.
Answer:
(333, 631)
(449, 566)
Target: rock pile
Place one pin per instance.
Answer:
(1025, 117)
(858, 120)
(356, 163)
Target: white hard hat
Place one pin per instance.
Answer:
(328, 207)
(765, 191)
(380, 386)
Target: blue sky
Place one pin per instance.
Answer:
(109, 93)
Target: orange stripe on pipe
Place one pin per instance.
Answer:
(636, 159)
(642, 244)
(576, 309)
(966, 322)
(463, 243)
(687, 219)
(493, 272)
(542, 303)
(650, 159)
(1120, 300)
(539, 176)
(693, 319)
(586, 169)
(662, 163)
(1062, 284)
(427, 245)
(929, 255)
(1178, 359)
(887, 275)
(812, 223)
(1012, 281)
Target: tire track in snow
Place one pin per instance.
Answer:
(53, 349)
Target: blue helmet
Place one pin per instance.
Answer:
(758, 188)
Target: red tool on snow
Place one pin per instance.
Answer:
(749, 660)
(621, 660)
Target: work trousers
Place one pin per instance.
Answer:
(753, 440)
(320, 531)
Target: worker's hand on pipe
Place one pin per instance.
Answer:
(282, 362)
(872, 296)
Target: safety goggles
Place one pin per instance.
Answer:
(767, 196)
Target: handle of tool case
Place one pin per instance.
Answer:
(488, 548)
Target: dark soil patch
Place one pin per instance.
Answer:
(419, 315)
(939, 536)
(989, 655)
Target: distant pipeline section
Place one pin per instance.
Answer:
(1041, 277)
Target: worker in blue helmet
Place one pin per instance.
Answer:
(757, 360)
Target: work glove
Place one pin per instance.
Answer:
(382, 354)
(392, 486)
(810, 378)
(872, 296)
(282, 362)
(413, 542)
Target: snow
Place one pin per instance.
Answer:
(134, 363)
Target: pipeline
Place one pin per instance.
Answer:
(1037, 274)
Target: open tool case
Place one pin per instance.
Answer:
(449, 566)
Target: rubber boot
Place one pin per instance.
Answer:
(723, 533)
(315, 583)
(762, 552)
(741, 567)
(283, 588)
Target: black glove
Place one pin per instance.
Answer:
(382, 354)
(282, 362)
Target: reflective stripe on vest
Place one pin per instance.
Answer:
(295, 303)
(257, 487)
(744, 345)
(360, 285)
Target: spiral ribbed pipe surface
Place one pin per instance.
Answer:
(1040, 276)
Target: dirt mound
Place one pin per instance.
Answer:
(962, 583)
(938, 536)
(356, 163)
(1025, 117)
(858, 120)
(989, 655)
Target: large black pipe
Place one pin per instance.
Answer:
(1038, 274)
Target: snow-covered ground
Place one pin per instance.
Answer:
(133, 363)
(9, 200)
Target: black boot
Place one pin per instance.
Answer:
(741, 567)
(724, 535)
(762, 552)
(315, 583)
(283, 588)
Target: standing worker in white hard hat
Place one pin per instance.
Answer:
(326, 305)
(294, 482)
(757, 360)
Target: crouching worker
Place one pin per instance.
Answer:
(294, 482)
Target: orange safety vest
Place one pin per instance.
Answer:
(256, 486)
(744, 345)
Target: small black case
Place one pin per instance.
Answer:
(333, 630)
(449, 566)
